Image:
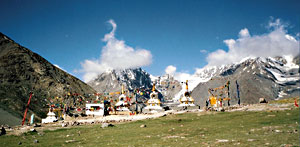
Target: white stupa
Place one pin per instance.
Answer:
(50, 117)
(122, 104)
(186, 100)
(153, 104)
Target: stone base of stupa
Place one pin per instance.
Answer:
(186, 105)
(122, 109)
(153, 109)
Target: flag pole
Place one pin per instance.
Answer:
(26, 108)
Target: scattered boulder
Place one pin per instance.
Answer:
(37, 125)
(69, 141)
(36, 141)
(41, 134)
(221, 109)
(295, 131)
(278, 131)
(166, 108)
(64, 124)
(222, 140)
(83, 115)
(286, 145)
(76, 115)
(262, 100)
(75, 123)
(104, 125)
(111, 125)
(143, 126)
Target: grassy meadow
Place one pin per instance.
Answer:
(242, 128)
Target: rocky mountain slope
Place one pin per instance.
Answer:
(111, 81)
(23, 71)
(167, 85)
(269, 78)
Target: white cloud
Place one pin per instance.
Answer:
(244, 33)
(275, 43)
(203, 51)
(180, 76)
(170, 70)
(115, 55)
(276, 24)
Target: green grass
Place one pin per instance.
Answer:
(285, 101)
(189, 129)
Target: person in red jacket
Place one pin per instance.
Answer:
(296, 104)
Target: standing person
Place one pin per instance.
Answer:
(3, 131)
(296, 104)
(207, 102)
(115, 109)
(238, 92)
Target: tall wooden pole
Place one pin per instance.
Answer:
(26, 109)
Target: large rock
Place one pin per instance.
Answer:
(262, 100)
(105, 125)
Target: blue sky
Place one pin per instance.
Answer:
(67, 33)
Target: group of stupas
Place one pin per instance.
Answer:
(153, 104)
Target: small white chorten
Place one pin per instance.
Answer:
(186, 100)
(153, 104)
(122, 104)
(50, 117)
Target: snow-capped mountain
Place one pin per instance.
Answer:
(201, 76)
(271, 78)
(111, 81)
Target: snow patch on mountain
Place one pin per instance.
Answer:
(153, 78)
(194, 80)
(281, 94)
(283, 69)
